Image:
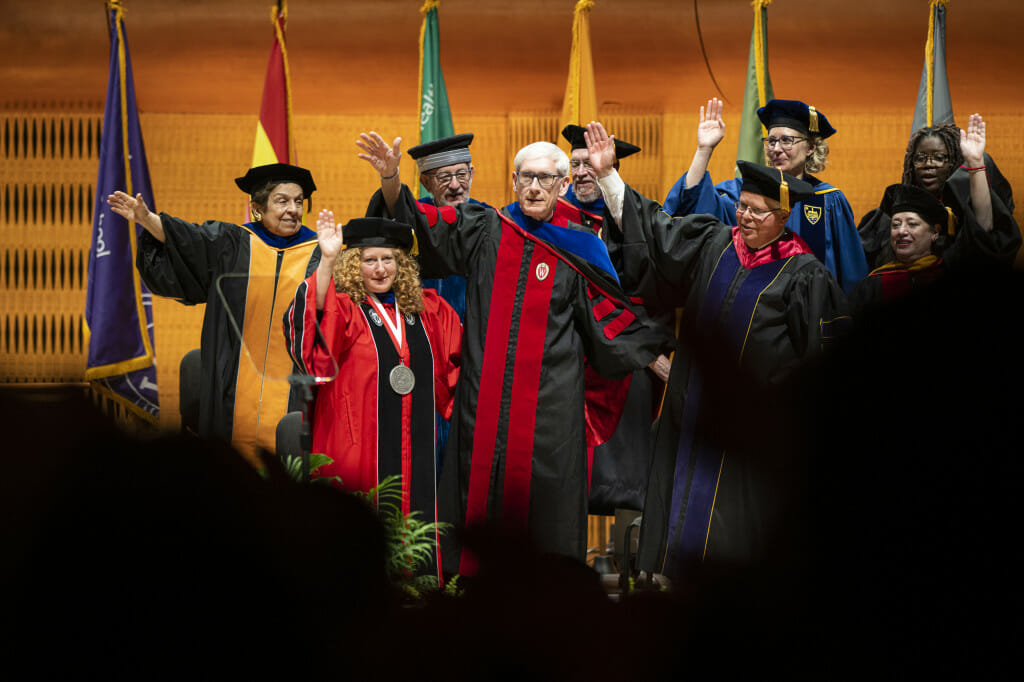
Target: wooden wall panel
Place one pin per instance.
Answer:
(46, 194)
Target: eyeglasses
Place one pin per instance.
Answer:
(786, 141)
(576, 164)
(758, 214)
(921, 159)
(445, 178)
(526, 178)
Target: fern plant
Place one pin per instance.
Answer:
(293, 465)
(411, 542)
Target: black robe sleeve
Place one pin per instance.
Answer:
(447, 237)
(185, 264)
(874, 237)
(972, 246)
(663, 254)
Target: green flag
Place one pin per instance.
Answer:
(934, 105)
(758, 90)
(435, 115)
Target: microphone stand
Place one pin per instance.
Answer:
(305, 383)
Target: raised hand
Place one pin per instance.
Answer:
(132, 209)
(972, 142)
(378, 154)
(711, 129)
(601, 148)
(328, 235)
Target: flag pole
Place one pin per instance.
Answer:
(758, 89)
(121, 360)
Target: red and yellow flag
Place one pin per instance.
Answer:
(274, 129)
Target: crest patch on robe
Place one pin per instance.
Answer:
(812, 214)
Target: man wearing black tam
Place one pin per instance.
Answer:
(583, 200)
(446, 168)
(619, 413)
(756, 302)
(243, 387)
(446, 171)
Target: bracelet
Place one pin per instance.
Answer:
(395, 174)
(975, 170)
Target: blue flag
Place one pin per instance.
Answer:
(118, 307)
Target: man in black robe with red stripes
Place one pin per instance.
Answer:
(541, 297)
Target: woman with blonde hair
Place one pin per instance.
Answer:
(396, 348)
(796, 144)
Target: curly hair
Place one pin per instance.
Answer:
(948, 134)
(348, 279)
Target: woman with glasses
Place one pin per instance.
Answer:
(757, 304)
(796, 145)
(951, 164)
(397, 350)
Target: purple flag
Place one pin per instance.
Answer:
(118, 307)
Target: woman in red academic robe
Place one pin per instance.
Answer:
(394, 348)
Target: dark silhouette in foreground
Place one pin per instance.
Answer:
(889, 550)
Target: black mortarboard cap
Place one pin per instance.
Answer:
(574, 134)
(382, 232)
(792, 113)
(899, 198)
(446, 151)
(276, 173)
(774, 184)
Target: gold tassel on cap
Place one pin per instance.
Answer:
(783, 191)
(812, 117)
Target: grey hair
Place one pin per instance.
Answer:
(543, 150)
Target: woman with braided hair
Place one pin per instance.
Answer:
(951, 164)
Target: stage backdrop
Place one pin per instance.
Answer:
(49, 169)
